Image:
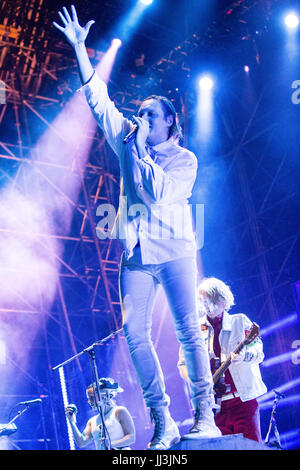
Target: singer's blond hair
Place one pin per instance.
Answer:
(217, 291)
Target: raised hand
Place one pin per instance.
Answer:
(71, 411)
(75, 34)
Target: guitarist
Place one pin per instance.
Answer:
(239, 411)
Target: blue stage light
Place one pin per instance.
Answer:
(206, 83)
(284, 322)
(291, 20)
(146, 2)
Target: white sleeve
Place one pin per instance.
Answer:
(108, 117)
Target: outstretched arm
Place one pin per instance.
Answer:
(76, 36)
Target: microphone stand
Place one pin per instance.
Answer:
(104, 436)
(2, 430)
(273, 424)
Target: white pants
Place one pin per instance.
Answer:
(138, 287)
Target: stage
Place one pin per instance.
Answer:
(231, 442)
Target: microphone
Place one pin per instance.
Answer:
(71, 409)
(280, 395)
(131, 135)
(31, 402)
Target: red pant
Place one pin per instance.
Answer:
(237, 417)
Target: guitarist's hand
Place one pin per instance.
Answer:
(220, 389)
(237, 358)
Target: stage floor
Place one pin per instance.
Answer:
(231, 442)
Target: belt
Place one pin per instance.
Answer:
(229, 396)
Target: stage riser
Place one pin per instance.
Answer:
(232, 442)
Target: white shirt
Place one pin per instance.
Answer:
(246, 374)
(154, 191)
(113, 427)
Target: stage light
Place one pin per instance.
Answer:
(66, 402)
(129, 22)
(291, 20)
(247, 68)
(287, 401)
(204, 115)
(116, 42)
(281, 389)
(206, 83)
(105, 66)
(283, 323)
(279, 359)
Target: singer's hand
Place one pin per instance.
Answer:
(141, 135)
(75, 34)
(71, 413)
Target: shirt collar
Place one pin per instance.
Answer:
(225, 318)
(163, 145)
(217, 321)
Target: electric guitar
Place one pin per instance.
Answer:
(219, 386)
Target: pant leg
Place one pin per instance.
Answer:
(246, 420)
(223, 422)
(179, 280)
(137, 292)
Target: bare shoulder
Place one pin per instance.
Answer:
(121, 411)
(123, 415)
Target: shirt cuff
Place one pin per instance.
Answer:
(81, 89)
(95, 91)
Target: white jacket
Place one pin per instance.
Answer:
(245, 374)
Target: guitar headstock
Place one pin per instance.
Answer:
(252, 333)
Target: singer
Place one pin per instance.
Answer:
(157, 174)
(117, 419)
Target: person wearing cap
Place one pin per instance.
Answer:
(120, 429)
(239, 412)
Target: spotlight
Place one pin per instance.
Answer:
(116, 42)
(206, 83)
(291, 20)
(247, 68)
(146, 2)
